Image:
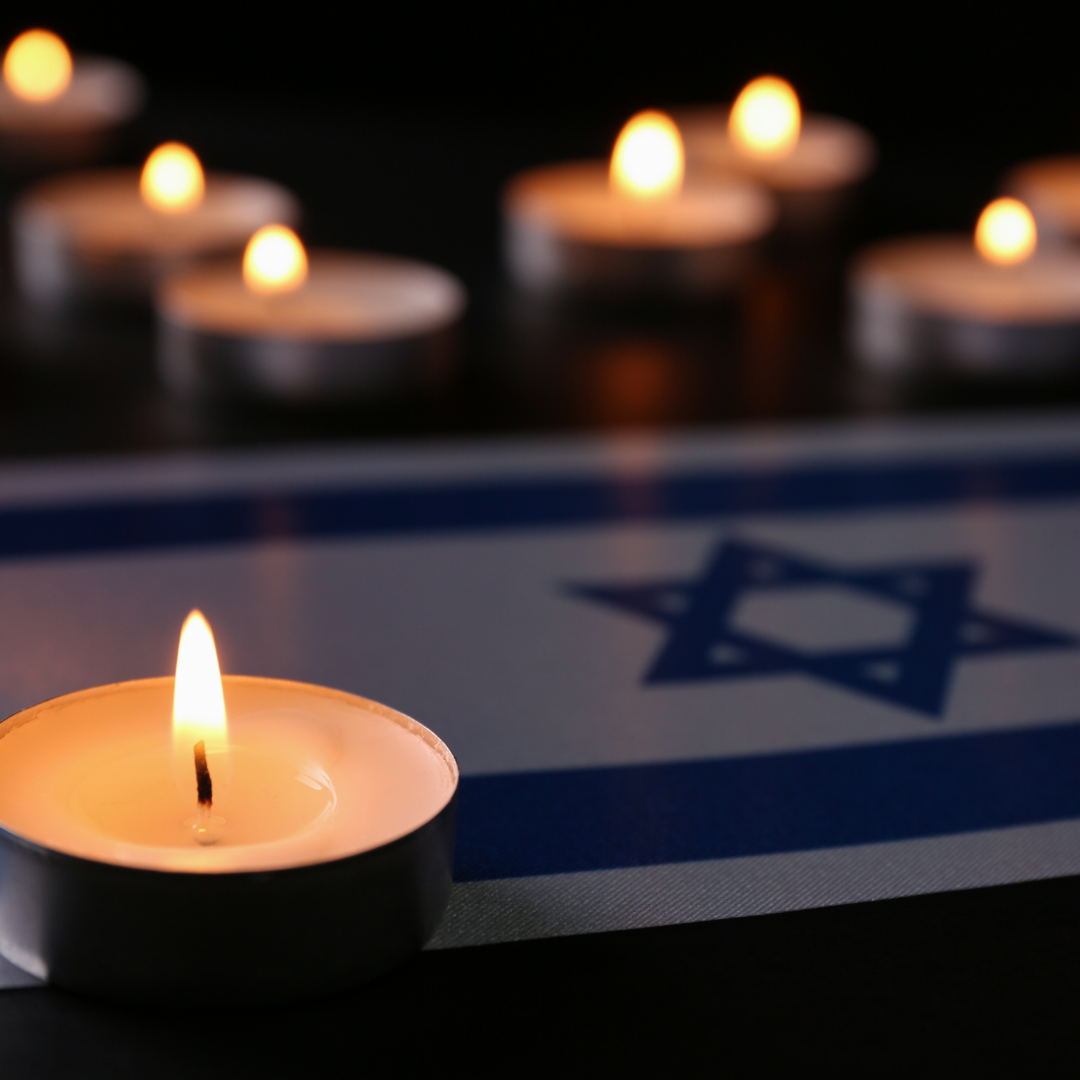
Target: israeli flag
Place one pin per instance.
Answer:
(685, 679)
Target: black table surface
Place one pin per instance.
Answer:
(952, 984)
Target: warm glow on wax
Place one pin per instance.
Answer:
(274, 260)
(648, 162)
(172, 179)
(37, 66)
(766, 118)
(1005, 233)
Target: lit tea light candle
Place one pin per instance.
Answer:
(112, 234)
(339, 325)
(308, 833)
(810, 161)
(635, 223)
(998, 305)
(1051, 188)
(56, 109)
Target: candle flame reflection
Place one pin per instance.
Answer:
(766, 118)
(648, 160)
(274, 260)
(1006, 233)
(172, 179)
(37, 66)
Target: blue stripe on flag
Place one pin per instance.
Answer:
(555, 822)
(485, 505)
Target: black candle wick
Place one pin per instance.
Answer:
(202, 776)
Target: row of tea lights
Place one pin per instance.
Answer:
(683, 207)
(241, 306)
(997, 302)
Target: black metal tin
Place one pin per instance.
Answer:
(199, 363)
(542, 260)
(546, 251)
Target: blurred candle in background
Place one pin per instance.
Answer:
(989, 305)
(765, 119)
(56, 110)
(1005, 233)
(810, 161)
(37, 66)
(330, 327)
(648, 161)
(635, 223)
(172, 180)
(274, 261)
(109, 235)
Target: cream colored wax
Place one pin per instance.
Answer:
(310, 774)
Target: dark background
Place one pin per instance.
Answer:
(972, 75)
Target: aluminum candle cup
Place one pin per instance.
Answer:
(932, 302)
(341, 875)
(75, 125)
(88, 237)
(359, 326)
(566, 230)
(812, 181)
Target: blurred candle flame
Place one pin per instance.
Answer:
(37, 66)
(172, 179)
(275, 261)
(1006, 233)
(766, 118)
(648, 160)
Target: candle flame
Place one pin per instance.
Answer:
(37, 66)
(275, 260)
(172, 179)
(198, 699)
(766, 118)
(200, 736)
(648, 161)
(1006, 233)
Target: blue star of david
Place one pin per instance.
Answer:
(703, 644)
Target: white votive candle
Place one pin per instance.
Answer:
(634, 225)
(112, 234)
(292, 837)
(330, 326)
(809, 161)
(996, 306)
(58, 109)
